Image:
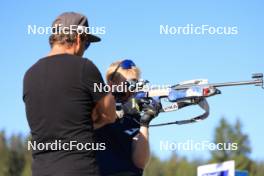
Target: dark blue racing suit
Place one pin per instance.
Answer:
(116, 159)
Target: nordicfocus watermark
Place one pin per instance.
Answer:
(128, 87)
(191, 145)
(191, 29)
(59, 145)
(59, 29)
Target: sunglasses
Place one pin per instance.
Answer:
(125, 64)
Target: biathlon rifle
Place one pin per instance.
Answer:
(193, 92)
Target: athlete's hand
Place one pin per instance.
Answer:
(131, 107)
(150, 110)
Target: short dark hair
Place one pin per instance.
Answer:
(65, 39)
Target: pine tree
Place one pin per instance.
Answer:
(228, 134)
(154, 167)
(16, 156)
(4, 154)
(28, 159)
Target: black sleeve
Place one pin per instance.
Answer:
(91, 78)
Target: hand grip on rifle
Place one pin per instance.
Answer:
(146, 108)
(131, 107)
(150, 111)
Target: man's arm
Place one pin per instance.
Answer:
(140, 148)
(104, 111)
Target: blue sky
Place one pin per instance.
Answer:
(132, 31)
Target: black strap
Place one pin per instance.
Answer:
(203, 104)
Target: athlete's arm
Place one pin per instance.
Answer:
(140, 148)
(140, 145)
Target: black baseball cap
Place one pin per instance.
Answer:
(69, 19)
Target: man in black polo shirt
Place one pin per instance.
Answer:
(60, 100)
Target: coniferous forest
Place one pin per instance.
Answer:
(15, 159)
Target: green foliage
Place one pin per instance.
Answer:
(155, 167)
(258, 169)
(4, 153)
(174, 166)
(16, 156)
(12, 152)
(228, 134)
(28, 160)
(15, 159)
(224, 133)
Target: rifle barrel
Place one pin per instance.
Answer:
(238, 83)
